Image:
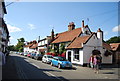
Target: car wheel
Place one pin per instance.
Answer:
(46, 61)
(59, 66)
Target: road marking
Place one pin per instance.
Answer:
(35, 65)
(27, 60)
(53, 75)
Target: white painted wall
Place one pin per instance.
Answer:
(43, 42)
(80, 61)
(106, 60)
(88, 47)
(87, 51)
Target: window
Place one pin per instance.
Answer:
(76, 51)
(76, 55)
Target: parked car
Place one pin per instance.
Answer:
(47, 58)
(38, 56)
(61, 62)
(32, 55)
(18, 53)
(25, 54)
(29, 54)
(21, 53)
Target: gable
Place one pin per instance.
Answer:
(92, 38)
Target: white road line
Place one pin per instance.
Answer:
(27, 60)
(53, 75)
(35, 65)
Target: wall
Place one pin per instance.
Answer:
(106, 60)
(1, 11)
(88, 47)
(72, 57)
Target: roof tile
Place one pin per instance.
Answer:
(77, 43)
(67, 36)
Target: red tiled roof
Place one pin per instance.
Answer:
(29, 45)
(114, 46)
(107, 46)
(77, 43)
(34, 46)
(67, 36)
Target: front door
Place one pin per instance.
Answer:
(69, 56)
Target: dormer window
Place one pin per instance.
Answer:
(86, 32)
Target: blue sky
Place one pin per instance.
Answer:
(33, 19)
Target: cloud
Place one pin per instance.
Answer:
(11, 38)
(106, 33)
(13, 28)
(116, 28)
(31, 26)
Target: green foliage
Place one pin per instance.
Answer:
(20, 44)
(62, 48)
(11, 48)
(115, 39)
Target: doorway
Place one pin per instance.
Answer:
(69, 56)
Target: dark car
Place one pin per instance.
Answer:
(38, 56)
(32, 55)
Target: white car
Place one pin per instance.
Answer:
(47, 58)
(25, 54)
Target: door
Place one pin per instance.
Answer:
(69, 56)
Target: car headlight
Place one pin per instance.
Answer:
(61, 62)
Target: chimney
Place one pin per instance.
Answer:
(71, 26)
(38, 39)
(99, 33)
(82, 23)
(34, 42)
(52, 35)
(28, 43)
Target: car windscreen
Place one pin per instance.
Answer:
(62, 59)
(38, 55)
(49, 56)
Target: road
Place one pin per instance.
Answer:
(28, 68)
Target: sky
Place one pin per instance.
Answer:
(33, 19)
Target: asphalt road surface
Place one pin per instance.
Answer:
(28, 68)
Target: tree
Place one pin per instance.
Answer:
(11, 48)
(115, 39)
(62, 48)
(20, 44)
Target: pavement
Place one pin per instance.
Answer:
(10, 72)
(9, 69)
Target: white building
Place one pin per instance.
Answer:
(43, 45)
(31, 47)
(81, 42)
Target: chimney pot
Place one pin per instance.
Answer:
(82, 23)
(71, 26)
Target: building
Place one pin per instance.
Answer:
(116, 52)
(4, 33)
(80, 43)
(43, 44)
(31, 47)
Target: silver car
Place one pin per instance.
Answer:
(47, 58)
